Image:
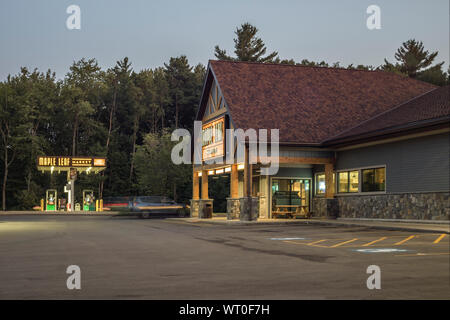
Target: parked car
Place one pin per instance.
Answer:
(148, 206)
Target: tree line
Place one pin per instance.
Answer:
(412, 60)
(127, 116)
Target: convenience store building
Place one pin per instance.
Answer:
(352, 143)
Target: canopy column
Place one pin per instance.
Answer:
(332, 204)
(329, 185)
(234, 183)
(249, 205)
(195, 186)
(247, 174)
(204, 184)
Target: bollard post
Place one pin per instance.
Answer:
(96, 205)
(101, 204)
(42, 204)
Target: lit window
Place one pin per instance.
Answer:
(343, 182)
(348, 181)
(218, 132)
(320, 184)
(374, 180)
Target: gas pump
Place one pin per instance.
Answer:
(51, 199)
(88, 200)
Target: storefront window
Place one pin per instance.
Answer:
(348, 181)
(374, 180)
(290, 196)
(320, 184)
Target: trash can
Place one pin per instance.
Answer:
(207, 211)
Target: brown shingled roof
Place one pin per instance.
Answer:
(434, 105)
(309, 104)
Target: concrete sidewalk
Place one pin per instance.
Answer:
(382, 224)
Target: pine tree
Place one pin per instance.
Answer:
(248, 47)
(412, 57)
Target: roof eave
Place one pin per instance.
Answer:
(425, 125)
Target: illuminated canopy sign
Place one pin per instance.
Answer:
(58, 163)
(213, 139)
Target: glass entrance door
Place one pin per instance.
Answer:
(290, 197)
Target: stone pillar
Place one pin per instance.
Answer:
(201, 208)
(233, 208)
(195, 205)
(233, 202)
(249, 209)
(240, 208)
(205, 208)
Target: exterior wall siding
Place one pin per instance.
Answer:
(413, 165)
(286, 152)
(294, 173)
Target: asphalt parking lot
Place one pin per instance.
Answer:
(130, 258)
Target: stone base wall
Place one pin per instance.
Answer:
(324, 207)
(239, 208)
(233, 208)
(263, 208)
(194, 208)
(417, 206)
(198, 206)
(249, 213)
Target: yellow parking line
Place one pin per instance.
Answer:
(313, 243)
(404, 240)
(342, 243)
(289, 241)
(375, 241)
(442, 236)
(306, 244)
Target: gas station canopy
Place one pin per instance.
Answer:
(61, 163)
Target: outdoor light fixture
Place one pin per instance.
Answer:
(219, 171)
(228, 169)
(51, 169)
(240, 166)
(199, 173)
(210, 172)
